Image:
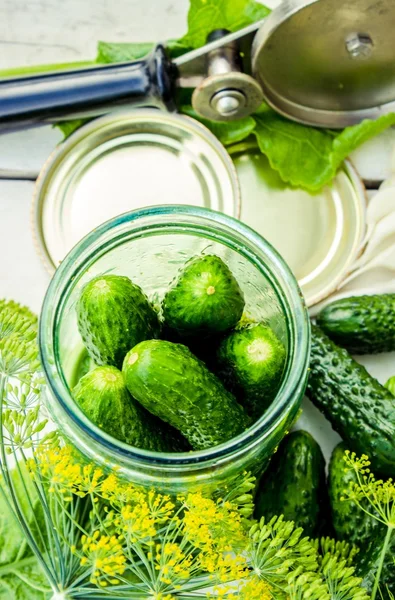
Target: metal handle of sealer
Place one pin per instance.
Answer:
(29, 101)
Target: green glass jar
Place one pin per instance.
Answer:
(149, 246)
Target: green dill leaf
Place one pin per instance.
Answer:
(206, 15)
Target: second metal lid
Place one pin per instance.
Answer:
(329, 63)
(318, 235)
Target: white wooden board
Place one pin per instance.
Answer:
(47, 31)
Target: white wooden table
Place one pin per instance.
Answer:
(47, 31)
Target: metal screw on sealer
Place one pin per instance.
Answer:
(359, 45)
(226, 93)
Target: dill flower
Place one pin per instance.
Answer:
(277, 549)
(377, 499)
(18, 358)
(337, 570)
(12, 322)
(105, 558)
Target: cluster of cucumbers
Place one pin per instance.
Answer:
(362, 411)
(187, 376)
(296, 485)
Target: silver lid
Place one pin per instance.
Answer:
(329, 63)
(124, 161)
(318, 235)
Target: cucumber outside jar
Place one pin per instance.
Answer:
(149, 246)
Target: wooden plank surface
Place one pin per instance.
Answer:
(48, 31)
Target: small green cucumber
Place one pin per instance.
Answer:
(295, 484)
(103, 397)
(170, 382)
(250, 362)
(350, 522)
(204, 300)
(362, 324)
(360, 409)
(113, 316)
(354, 525)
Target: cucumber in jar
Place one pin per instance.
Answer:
(113, 316)
(171, 383)
(204, 300)
(103, 397)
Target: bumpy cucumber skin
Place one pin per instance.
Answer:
(104, 398)
(362, 324)
(204, 300)
(170, 382)
(113, 316)
(353, 525)
(250, 362)
(360, 409)
(350, 522)
(294, 485)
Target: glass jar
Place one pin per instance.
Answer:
(149, 246)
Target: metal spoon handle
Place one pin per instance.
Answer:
(48, 97)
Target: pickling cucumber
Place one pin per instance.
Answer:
(362, 324)
(205, 299)
(113, 316)
(250, 362)
(350, 522)
(103, 397)
(294, 484)
(353, 525)
(170, 382)
(360, 409)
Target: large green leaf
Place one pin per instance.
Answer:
(21, 577)
(120, 52)
(300, 154)
(227, 133)
(307, 157)
(353, 137)
(23, 581)
(206, 15)
(113, 52)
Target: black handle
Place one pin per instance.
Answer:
(50, 97)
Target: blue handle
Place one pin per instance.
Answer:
(39, 99)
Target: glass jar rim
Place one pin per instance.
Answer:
(69, 271)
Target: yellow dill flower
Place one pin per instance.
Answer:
(58, 467)
(137, 523)
(109, 486)
(104, 555)
(254, 589)
(211, 525)
(379, 494)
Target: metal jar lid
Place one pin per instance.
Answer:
(124, 161)
(318, 235)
